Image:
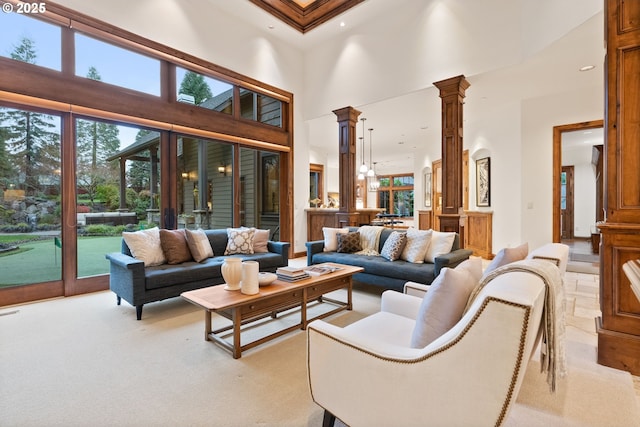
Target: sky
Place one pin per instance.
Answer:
(115, 65)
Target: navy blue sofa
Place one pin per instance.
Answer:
(384, 273)
(132, 281)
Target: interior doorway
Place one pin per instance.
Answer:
(578, 189)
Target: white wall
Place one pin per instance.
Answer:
(584, 178)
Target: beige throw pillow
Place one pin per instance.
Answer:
(418, 242)
(240, 241)
(175, 247)
(199, 244)
(331, 237)
(260, 239)
(473, 265)
(145, 246)
(441, 243)
(507, 256)
(442, 306)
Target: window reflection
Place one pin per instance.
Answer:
(203, 91)
(30, 40)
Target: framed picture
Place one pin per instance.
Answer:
(483, 182)
(427, 189)
(270, 184)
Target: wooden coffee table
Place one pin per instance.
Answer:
(272, 299)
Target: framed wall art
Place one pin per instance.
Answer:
(483, 182)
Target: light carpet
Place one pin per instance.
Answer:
(85, 361)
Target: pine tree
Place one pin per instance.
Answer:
(31, 140)
(195, 85)
(96, 141)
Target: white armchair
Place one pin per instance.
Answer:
(366, 374)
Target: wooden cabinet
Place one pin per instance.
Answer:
(619, 326)
(479, 233)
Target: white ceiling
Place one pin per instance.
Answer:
(552, 46)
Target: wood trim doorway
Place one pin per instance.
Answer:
(557, 167)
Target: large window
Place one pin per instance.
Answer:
(395, 194)
(81, 162)
(30, 197)
(106, 62)
(30, 40)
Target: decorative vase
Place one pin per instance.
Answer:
(250, 285)
(232, 273)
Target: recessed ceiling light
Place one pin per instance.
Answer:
(342, 24)
(271, 27)
(587, 68)
(587, 132)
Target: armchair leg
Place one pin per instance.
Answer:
(328, 420)
(139, 311)
(118, 299)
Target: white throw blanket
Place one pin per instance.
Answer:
(369, 239)
(552, 351)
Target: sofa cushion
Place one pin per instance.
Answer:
(379, 266)
(240, 241)
(168, 275)
(507, 256)
(331, 237)
(442, 306)
(349, 242)
(145, 245)
(441, 243)
(394, 245)
(175, 247)
(418, 242)
(199, 245)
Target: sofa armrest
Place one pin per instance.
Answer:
(450, 260)
(314, 247)
(415, 289)
(401, 304)
(127, 277)
(281, 248)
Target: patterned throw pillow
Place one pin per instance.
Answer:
(349, 242)
(417, 244)
(175, 247)
(199, 244)
(394, 245)
(240, 241)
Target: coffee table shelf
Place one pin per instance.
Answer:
(275, 298)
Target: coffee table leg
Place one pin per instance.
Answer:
(349, 295)
(237, 323)
(207, 324)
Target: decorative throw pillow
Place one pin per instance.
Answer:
(441, 243)
(331, 237)
(175, 247)
(240, 241)
(418, 242)
(145, 246)
(473, 265)
(507, 256)
(349, 242)
(442, 306)
(260, 239)
(394, 245)
(199, 244)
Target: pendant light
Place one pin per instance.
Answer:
(363, 167)
(361, 174)
(371, 172)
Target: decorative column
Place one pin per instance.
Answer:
(619, 326)
(452, 93)
(347, 120)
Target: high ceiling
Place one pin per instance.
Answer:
(305, 15)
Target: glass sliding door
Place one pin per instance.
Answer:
(30, 197)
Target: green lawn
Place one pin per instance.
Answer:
(39, 261)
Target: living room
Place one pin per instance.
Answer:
(524, 81)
